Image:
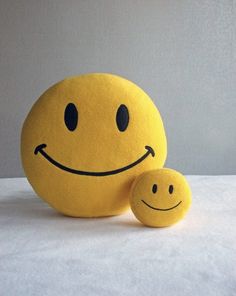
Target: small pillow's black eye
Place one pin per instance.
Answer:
(122, 118)
(154, 188)
(171, 189)
(71, 117)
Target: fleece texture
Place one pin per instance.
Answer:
(86, 139)
(160, 197)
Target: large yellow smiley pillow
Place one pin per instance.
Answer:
(85, 141)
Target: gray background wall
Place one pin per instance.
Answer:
(183, 53)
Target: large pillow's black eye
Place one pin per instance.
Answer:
(71, 117)
(122, 118)
(171, 189)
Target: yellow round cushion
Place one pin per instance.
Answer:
(160, 197)
(86, 139)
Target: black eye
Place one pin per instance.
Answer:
(171, 189)
(71, 117)
(122, 118)
(154, 188)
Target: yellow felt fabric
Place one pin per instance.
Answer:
(96, 145)
(166, 204)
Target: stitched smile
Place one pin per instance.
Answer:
(40, 149)
(158, 209)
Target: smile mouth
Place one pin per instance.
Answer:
(40, 149)
(158, 209)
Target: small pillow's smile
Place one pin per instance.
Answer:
(159, 209)
(40, 149)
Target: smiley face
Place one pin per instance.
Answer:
(85, 141)
(160, 197)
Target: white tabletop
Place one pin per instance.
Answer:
(45, 253)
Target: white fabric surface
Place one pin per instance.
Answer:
(45, 253)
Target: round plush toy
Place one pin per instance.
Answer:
(160, 197)
(85, 141)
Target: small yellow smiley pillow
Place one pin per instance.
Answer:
(85, 141)
(160, 197)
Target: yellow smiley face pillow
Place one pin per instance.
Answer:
(160, 197)
(86, 139)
